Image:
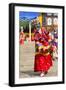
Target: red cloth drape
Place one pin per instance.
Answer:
(42, 63)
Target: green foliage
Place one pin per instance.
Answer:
(24, 23)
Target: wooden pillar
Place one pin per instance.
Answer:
(30, 30)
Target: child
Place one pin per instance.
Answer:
(27, 38)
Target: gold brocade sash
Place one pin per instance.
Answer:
(45, 54)
(44, 47)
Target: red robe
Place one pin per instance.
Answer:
(21, 41)
(43, 62)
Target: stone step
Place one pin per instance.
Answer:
(26, 56)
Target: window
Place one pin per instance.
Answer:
(55, 21)
(49, 21)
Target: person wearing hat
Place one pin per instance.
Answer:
(43, 58)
